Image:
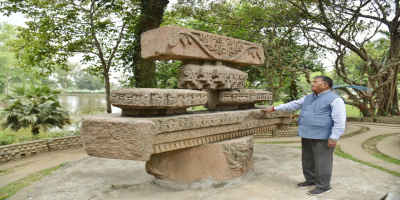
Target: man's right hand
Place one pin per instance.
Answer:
(268, 110)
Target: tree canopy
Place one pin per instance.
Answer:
(348, 26)
(58, 30)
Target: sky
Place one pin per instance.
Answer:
(15, 19)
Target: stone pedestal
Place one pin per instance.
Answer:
(218, 161)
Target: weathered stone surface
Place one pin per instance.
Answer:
(219, 161)
(114, 136)
(177, 43)
(210, 75)
(236, 99)
(149, 101)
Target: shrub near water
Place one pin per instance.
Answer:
(6, 137)
(36, 107)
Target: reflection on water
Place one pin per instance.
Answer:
(82, 105)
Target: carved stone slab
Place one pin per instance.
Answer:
(210, 75)
(177, 43)
(243, 96)
(131, 138)
(217, 161)
(149, 101)
(236, 99)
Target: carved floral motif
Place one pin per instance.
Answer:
(177, 43)
(217, 47)
(238, 155)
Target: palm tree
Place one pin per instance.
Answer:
(34, 106)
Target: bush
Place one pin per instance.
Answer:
(6, 137)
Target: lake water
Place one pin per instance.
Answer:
(82, 105)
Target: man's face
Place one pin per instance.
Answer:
(319, 86)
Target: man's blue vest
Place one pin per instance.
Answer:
(315, 120)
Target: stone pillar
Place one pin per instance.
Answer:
(214, 162)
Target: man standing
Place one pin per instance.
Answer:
(321, 122)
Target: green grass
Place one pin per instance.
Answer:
(14, 187)
(363, 129)
(342, 154)
(370, 147)
(199, 108)
(6, 171)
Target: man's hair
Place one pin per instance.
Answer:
(326, 79)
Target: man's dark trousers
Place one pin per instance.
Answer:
(317, 160)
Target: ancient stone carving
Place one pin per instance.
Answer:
(201, 162)
(177, 43)
(149, 101)
(210, 75)
(113, 136)
(236, 99)
(188, 122)
(238, 155)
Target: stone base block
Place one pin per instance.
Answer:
(112, 136)
(223, 160)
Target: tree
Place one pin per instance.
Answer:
(7, 32)
(166, 73)
(60, 29)
(86, 81)
(34, 106)
(64, 78)
(144, 71)
(343, 26)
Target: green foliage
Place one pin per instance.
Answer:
(34, 106)
(7, 32)
(85, 81)
(6, 137)
(167, 74)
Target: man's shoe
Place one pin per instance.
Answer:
(318, 191)
(305, 184)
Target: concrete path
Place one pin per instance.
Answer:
(277, 168)
(390, 146)
(353, 145)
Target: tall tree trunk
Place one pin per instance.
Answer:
(390, 100)
(151, 17)
(108, 92)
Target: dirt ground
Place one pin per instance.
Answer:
(21, 168)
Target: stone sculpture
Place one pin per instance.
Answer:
(176, 43)
(183, 146)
